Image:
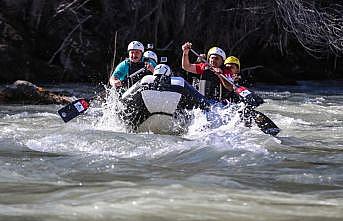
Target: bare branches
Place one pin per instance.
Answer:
(319, 32)
(63, 7)
(242, 39)
(252, 68)
(70, 6)
(254, 10)
(67, 38)
(114, 53)
(148, 14)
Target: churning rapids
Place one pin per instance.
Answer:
(92, 169)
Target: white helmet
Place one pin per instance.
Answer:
(216, 51)
(135, 45)
(162, 69)
(150, 54)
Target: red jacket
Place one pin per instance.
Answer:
(201, 67)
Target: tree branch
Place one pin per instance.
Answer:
(67, 38)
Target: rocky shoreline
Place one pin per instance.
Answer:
(24, 92)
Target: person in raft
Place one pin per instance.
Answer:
(212, 83)
(132, 69)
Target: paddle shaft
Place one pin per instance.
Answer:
(136, 72)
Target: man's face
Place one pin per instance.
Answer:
(135, 55)
(233, 68)
(215, 60)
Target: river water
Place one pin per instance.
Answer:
(92, 169)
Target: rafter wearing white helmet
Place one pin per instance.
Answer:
(135, 45)
(216, 51)
(162, 69)
(151, 55)
(120, 76)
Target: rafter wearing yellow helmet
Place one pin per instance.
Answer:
(232, 60)
(233, 65)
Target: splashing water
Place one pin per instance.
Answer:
(110, 110)
(93, 168)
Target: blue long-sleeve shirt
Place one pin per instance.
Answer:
(122, 69)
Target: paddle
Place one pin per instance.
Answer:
(265, 124)
(262, 121)
(79, 106)
(76, 107)
(247, 96)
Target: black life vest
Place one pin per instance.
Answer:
(133, 67)
(211, 86)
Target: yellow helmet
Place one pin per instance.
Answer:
(232, 60)
(216, 51)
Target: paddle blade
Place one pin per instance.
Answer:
(73, 109)
(265, 124)
(249, 97)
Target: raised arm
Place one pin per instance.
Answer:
(186, 65)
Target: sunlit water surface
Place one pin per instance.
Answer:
(91, 168)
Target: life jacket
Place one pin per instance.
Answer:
(210, 86)
(133, 67)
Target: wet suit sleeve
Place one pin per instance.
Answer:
(121, 70)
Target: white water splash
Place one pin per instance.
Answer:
(110, 109)
(223, 128)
